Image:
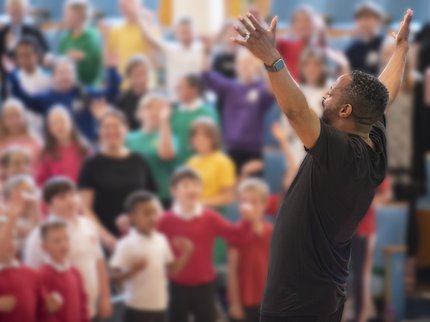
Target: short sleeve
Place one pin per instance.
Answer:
(120, 258)
(86, 179)
(33, 253)
(228, 178)
(332, 149)
(167, 251)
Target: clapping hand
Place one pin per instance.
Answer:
(184, 245)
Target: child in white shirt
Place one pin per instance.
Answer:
(142, 260)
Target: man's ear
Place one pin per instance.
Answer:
(345, 111)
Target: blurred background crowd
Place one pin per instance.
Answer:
(143, 157)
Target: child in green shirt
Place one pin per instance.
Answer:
(81, 43)
(155, 141)
(191, 106)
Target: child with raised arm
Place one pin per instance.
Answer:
(248, 262)
(192, 291)
(62, 199)
(59, 277)
(21, 296)
(66, 91)
(143, 258)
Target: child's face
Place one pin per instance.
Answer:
(57, 244)
(187, 191)
(65, 204)
(185, 92)
(59, 124)
(74, 16)
(16, 11)
(312, 70)
(303, 24)
(184, 33)
(64, 76)
(19, 163)
(138, 78)
(201, 141)
(368, 25)
(255, 200)
(145, 215)
(247, 67)
(26, 58)
(128, 8)
(150, 114)
(13, 120)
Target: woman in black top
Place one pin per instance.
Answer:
(109, 176)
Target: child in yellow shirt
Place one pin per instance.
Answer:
(216, 168)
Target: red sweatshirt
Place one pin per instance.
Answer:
(202, 232)
(69, 285)
(23, 284)
(253, 266)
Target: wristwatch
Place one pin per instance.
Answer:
(278, 65)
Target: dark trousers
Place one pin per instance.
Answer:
(252, 314)
(196, 301)
(133, 315)
(335, 317)
(359, 254)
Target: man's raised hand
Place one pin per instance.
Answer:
(402, 35)
(259, 40)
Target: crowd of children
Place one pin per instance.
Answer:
(122, 153)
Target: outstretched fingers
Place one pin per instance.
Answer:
(256, 24)
(274, 25)
(247, 25)
(240, 31)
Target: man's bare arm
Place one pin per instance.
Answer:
(261, 42)
(392, 74)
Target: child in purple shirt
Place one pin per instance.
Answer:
(245, 102)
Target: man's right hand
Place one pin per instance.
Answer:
(257, 39)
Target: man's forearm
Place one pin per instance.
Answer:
(392, 74)
(287, 92)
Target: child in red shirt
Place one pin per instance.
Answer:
(248, 262)
(192, 291)
(20, 289)
(59, 278)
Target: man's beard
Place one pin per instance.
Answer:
(326, 116)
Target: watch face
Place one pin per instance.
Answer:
(278, 65)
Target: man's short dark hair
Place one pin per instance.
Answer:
(57, 186)
(368, 97)
(51, 225)
(184, 173)
(136, 198)
(30, 42)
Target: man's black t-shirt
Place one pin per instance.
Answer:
(310, 247)
(112, 180)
